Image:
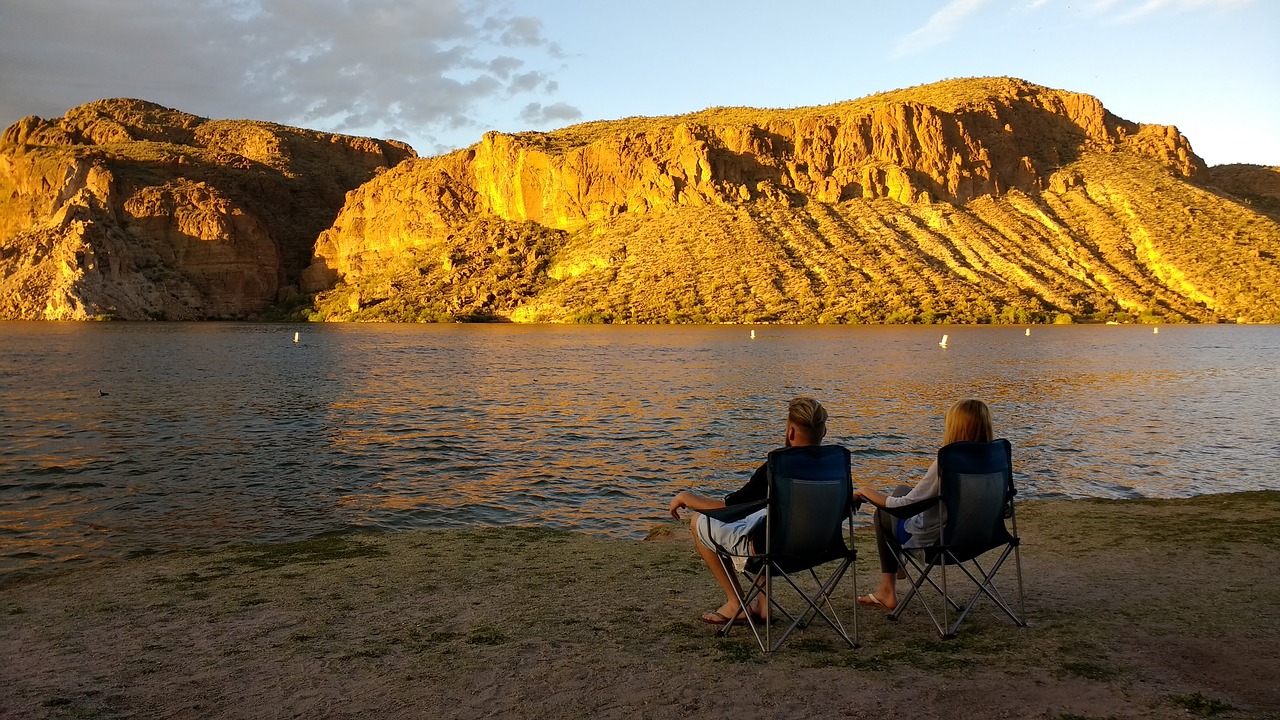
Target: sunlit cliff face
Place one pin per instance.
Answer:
(969, 201)
(126, 209)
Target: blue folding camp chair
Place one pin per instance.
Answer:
(977, 497)
(809, 502)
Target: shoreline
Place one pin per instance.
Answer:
(656, 530)
(1138, 608)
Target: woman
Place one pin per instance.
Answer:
(967, 420)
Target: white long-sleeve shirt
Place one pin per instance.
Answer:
(923, 526)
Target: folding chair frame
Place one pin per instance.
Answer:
(919, 564)
(761, 571)
(764, 577)
(919, 569)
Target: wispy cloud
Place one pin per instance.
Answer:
(939, 28)
(944, 24)
(1121, 11)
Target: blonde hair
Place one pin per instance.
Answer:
(809, 416)
(968, 421)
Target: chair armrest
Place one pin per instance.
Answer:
(733, 513)
(903, 512)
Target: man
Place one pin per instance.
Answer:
(806, 425)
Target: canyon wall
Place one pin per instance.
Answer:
(973, 200)
(126, 209)
(970, 200)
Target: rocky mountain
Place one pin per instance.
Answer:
(124, 208)
(978, 200)
(967, 201)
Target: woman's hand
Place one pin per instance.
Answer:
(875, 497)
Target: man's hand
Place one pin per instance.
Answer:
(693, 501)
(677, 502)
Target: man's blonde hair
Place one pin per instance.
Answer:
(808, 415)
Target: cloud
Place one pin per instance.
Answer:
(417, 67)
(939, 28)
(943, 25)
(521, 31)
(527, 82)
(540, 115)
(1126, 11)
(503, 67)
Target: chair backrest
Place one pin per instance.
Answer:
(977, 485)
(810, 495)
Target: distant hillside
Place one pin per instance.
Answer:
(124, 208)
(979, 200)
(987, 200)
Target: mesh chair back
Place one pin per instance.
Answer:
(977, 496)
(977, 484)
(810, 488)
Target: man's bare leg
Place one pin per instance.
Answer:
(731, 607)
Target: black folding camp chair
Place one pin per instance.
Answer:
(977, 493)
(809, 500)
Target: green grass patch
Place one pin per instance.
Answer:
(309, 552)
(1090, 670)
(487, 636)
(739, 651)
(1200, 705)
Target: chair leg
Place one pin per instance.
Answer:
(815, 603)
(917, 574)
(744, 601)
(762, 581)
(1022, 602)
(987, 587)
(923, 573)
(984, 581)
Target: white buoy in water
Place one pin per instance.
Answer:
(1155, 331)
(944, 341)
(1028, 331)
(295, 337)
(753, 334)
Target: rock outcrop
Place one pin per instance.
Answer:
(979, 200)
(124, 208)
(969, 200)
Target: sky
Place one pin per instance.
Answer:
(438, 74)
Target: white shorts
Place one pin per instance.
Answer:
(732, 538)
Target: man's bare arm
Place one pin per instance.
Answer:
(693, 501)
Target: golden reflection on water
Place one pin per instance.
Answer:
(220, 433)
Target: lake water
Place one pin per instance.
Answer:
(130, 438)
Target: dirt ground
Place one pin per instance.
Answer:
(1137, 609)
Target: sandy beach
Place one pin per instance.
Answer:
(1137, 609)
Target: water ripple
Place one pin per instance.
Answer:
(215, 433)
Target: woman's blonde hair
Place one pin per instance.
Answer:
(968, 421)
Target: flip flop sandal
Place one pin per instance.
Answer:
(871, 599)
